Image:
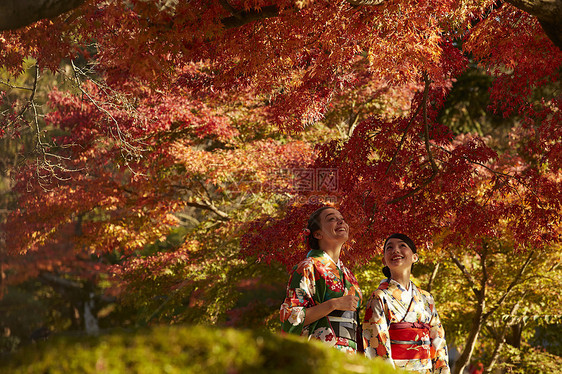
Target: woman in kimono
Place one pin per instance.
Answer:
(323, 296)
(401, 323)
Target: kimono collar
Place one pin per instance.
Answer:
(318, 253)
(392, 284)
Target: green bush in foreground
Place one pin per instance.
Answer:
(193, 349)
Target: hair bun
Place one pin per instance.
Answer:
(386, 271)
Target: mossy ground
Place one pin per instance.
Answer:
(187, 349)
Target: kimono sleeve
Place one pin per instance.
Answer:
(437, 337)
(375, 329)
(300, 295)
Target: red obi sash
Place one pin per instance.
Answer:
(410, 341)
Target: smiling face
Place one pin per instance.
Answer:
(398, 255)
(332, 227)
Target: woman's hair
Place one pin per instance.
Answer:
(314, 225)
(405, 239)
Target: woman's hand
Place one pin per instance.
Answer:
(348, 302)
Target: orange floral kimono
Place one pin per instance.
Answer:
(314, 280)
(403, 327)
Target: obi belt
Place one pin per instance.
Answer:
(344, 323)
(410, 341)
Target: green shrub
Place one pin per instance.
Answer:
(530, 360)
(187, 349)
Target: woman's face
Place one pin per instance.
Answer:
(398, 255)
(332, 226)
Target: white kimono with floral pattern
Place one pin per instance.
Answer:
(389, 304)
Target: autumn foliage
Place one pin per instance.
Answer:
(195, 118)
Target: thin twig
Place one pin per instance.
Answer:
(434, 168)
(506, 175)
(465, 272)
(426, 124)
(485, 277)
(513, 283)
(245, 17)
(410, 123)
(15, 87)
(128, 150)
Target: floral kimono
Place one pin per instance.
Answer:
(315, 280)
(403, 327)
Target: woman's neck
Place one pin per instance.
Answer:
(403, 278)
(333, 251)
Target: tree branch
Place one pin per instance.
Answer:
(545, 10)
(519, 180)
(426, 125)
(8, 84)
(129, 150)
(244, 17)
(484, 279)
(205, 203)
(432, 277)
(241, 18)
(434, 167)
(168, 298)
(365, 2)
(226, 5)
(19, 13)
(500, 340)
(410, 123)
(513, 283)
(51, 278)
(466, 274)
(548, 13)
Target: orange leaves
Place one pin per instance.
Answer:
(301, 58)
(513, 47)
(196, 159)
(46, 41)
(249, 167)
(183, 116)
(475, 194)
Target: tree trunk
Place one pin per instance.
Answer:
(514, 339)
(499, 345)
(477, 322)
(2, 277)
(480, 316)
(500, 340)
(91, 324)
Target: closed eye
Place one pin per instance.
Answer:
(335, 218)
